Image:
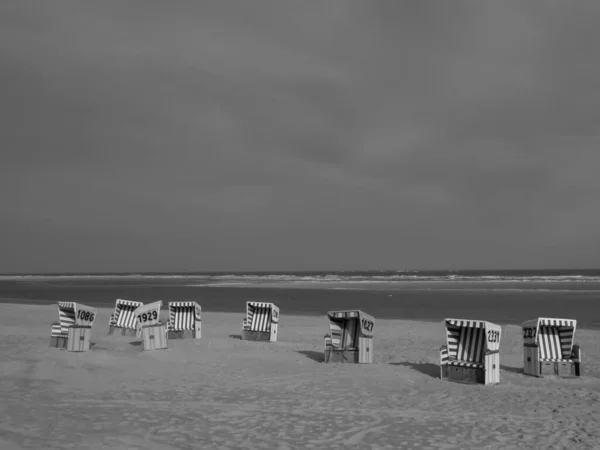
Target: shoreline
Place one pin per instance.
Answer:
(164, 310)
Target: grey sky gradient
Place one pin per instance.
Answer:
(299, 135)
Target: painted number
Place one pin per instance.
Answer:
(85, 315)
(529, 332)
(493, 336)
(145, 317)
(367, 325)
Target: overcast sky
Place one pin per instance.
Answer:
(299, 135)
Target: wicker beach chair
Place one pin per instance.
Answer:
(261, 322)
(351, 337)
(472, 352)
(73, 331)
(123, 319)
(184, 320)
(549, 349)
(149, 326)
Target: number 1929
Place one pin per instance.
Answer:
(150, 315)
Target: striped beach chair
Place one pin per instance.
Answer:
(351, 337)
(184, 320)
(123, 319)
(261, 322)
(73, 331)
(549, 349)
(472, 352)
(149, 326)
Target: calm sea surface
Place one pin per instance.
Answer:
(505, 297)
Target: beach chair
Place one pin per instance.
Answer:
(351, 338)
(184, 320)
(123, 319)
(548, 348)
(149, 327)
(261, 322)
(73, 331)
(472, 352)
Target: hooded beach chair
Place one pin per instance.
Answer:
(184, 320)
(472, 352)
(149, 327)
(548, 348)
(261, 322)
(73, 331)
(123, 319)
(351, 338)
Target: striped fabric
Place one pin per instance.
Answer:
(466, 340)
(557, 322)
(555, 343)
(56, 330)
(124, 316)
(343, 314)
(258, 316)
(336, 334)
(328, 342)
(466, 323)
(183, 316)
(66, 314)
(444, 355)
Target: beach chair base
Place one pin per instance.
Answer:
(58, 342)
(154, 337)
(248, 335)
(562, 369)
(469, 375)
(129, 332)
(184, 334)
(79, 339)
(341, 356)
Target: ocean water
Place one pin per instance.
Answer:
(504, 297)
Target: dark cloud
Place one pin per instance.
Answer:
(294, 135)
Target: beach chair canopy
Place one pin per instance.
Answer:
(260, 316)
(553, 336)
(183, 315)
(345, 325)
(124, 315)
(468, 340)
(72, 313)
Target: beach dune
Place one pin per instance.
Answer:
(220, 392)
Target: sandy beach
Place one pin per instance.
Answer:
(223, 393)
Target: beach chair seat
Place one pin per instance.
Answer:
(351, 337)
(184, 320)
(123, 319)
(261, 322)
(73, 330)
(471, 353)
(549, 349)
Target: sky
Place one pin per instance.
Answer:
(299, 135)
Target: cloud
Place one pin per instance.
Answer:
(354, 134)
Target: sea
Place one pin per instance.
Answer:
(503, 297)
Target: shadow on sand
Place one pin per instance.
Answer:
(235, 336)
(136, 343)
(512, 369)
(433, 370)
(315, 356)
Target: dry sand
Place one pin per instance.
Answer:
(223, 393)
